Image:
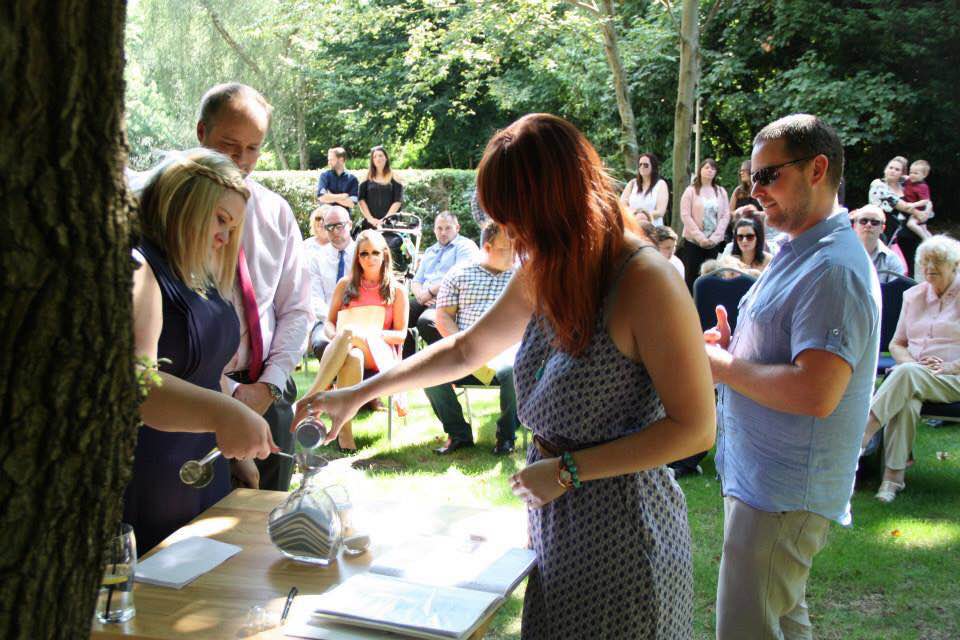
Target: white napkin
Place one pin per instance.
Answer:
(183, 562)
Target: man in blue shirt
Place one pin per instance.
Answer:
(337, 185)
(451, 250)
(795, 386)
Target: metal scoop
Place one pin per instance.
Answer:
(199, 473)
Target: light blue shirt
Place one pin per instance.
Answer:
(819, 292)
(440, 259)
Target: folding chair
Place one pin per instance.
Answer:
(472, 383)
(891, 294)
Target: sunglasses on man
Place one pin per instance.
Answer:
(864, 222)
(768, 175)
(333, 227)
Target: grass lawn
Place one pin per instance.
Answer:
(894, 574)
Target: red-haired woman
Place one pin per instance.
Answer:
(611, 392)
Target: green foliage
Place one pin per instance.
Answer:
(433, 79)
(425, 193)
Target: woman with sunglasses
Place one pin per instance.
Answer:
(748, 246)
(611, 392)
(354, 349)
(705, 210)
(647, 195)
(380, 194)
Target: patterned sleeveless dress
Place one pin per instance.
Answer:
(199, 337)
(613, 557)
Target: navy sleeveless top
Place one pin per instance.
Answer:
(199, 336)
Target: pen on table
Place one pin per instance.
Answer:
(286, 606)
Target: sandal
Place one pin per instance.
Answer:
(888, 490)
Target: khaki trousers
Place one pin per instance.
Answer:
(897, 405)
(761, 594)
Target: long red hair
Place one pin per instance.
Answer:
(543, 180)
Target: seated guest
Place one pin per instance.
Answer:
(926, 347)
(665, 240)
(337, 185)
(869, 222)
(192, 216)
(466, 293)
(317, 239)
(731, 268)
(747, 246)
(328, 265)
(451, 250)
(354, 348)
(380, 194)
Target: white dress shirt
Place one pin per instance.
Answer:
(323, 274)
(281, 281)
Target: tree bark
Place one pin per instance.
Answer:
(68, 393)
(628, 124)
(302, 133)
(686, 97)
(605, 14)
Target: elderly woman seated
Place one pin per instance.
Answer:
(926, 347)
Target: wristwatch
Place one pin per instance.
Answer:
(274, 390)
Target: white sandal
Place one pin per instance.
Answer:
(888, 490)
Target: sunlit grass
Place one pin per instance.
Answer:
(868, 583)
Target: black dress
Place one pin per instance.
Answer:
(379, 197)
(199, 337)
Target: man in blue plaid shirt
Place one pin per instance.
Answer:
(465, 294)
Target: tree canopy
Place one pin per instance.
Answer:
(432, 79)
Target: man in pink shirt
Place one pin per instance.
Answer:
(272, 297)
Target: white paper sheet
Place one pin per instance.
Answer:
(183, 562)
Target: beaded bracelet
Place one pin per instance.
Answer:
(567, 474)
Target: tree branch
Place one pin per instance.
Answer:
(233, 44)
(590, 8)
(711, 15)
(669, 7)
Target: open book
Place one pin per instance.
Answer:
(433, 587)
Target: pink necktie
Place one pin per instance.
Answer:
(252, 314)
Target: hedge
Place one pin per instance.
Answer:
(425, 193)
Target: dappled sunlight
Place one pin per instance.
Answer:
(918, 533)
(206, 527)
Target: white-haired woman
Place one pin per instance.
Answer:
(192, 212)
(926, 346)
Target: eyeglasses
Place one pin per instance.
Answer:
(768, 175)
(863, 222)
(367, 254)
(746, 236)
(333, 227)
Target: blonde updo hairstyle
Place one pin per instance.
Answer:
(176, 209)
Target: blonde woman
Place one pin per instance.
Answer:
(192, 213)
(355, 346)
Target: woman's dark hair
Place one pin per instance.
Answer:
(758, 244)
(545, 183)
(744, 187)
(697, 182)
(372, 168)
(654, 172)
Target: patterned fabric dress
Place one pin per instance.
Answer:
(613, 557)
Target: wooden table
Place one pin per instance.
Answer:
(216, 604)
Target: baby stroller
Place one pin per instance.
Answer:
(403, 231)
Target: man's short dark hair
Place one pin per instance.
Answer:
(220, 95)
(340, 152)
(489, 233)
(806, 136)
(449, 215)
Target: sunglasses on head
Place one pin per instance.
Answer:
(746, 236)
(367, 254)
(334, 226)
(869, 222)
(768, 175)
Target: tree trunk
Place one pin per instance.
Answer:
(68, 393)
(628, 124)
(302, 134)
(686, 97)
